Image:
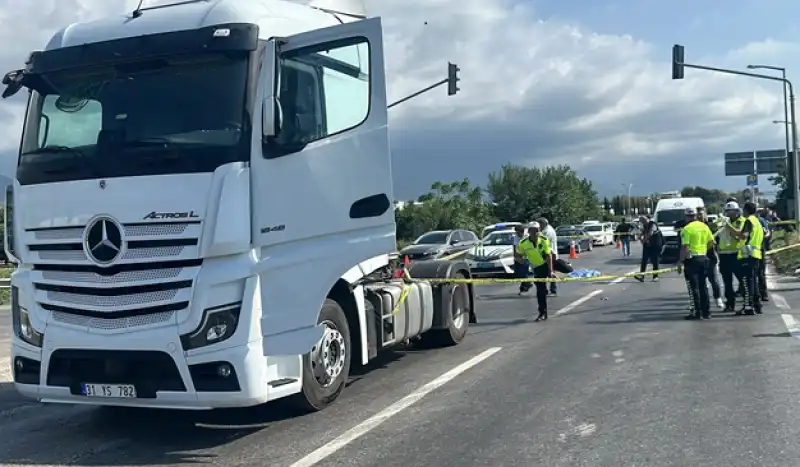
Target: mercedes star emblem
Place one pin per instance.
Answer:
(103, 242)
(102, 184)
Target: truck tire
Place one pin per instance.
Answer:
(327, 367)
(456, 301)
(459, 309)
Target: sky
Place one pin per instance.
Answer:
(578, 82)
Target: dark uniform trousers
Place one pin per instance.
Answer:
(695, 270)
(728, 269)
(541, 272)
(762, 272)
(750, 268)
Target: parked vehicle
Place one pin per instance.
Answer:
(568, 234)
(495, 254)
(498, 227)
(439, 243)
(602, 234)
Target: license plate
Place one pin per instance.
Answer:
(117, 391)
(485, 265)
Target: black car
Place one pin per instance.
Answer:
(439, 243)
(565, 235)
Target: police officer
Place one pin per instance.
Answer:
(521, 267)
(713, 260)
(696, 240)
(749, 257)
(728, 247)
(536, 248)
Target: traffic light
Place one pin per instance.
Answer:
(452, 79)
(677, 61)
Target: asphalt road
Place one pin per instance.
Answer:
(616, 377)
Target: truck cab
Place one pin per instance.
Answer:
(202, 210)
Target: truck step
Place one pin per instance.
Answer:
(282, 382)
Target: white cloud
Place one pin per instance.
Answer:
(532, 91)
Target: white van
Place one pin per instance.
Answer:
(668, 212)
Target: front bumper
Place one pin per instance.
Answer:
(488, 268)
(152, 361)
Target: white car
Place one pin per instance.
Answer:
(602, 234)
(495, 254)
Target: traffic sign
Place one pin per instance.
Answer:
(740, 163)
(752, 180)
(770, 161)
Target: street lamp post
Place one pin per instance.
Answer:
(630, 185)
(793, 178)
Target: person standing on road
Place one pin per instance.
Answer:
(536, 248)
(762, 270)
(749, 257)
(696, 240)
(728, 247)
(713, 260)
(550, 234)
(522, 269)
(623, 233)
(652, 242)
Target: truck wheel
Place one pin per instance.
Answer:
(327, 367)
(459, 319)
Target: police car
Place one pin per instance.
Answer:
(495, 254)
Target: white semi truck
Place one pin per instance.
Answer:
(202, 210)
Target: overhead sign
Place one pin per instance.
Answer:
(770, 161)
(740, 163)
(752, 180)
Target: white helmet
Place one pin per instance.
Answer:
(732, 206)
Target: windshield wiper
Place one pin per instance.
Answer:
(56, 149)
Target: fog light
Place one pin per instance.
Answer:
(218, 324)
(224, 370)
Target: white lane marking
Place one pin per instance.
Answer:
(617, 353)
(619, 360)
(780, 301)
(579, 302)
(371, 423)
(5, 370)
(595, 355)
(791, 325)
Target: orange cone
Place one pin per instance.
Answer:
(572, 253)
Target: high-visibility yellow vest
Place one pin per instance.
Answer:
(536, 254)
(756, 241)
(727, 242)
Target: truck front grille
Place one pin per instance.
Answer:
(147, 285)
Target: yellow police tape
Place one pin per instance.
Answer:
(483, 281)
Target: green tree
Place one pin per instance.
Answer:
(453, 205)
(524, 193)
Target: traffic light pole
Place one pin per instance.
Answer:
(421, 91)
(451, 81)
(677, 73)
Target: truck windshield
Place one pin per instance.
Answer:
(668, 217)
(173, 115)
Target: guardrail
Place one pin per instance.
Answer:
(5, 283)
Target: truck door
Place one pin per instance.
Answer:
(321, 173)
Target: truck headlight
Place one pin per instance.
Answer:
(218, 324)
(21, 322)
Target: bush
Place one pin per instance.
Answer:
(786, 261)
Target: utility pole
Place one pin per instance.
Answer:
(678, 65)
